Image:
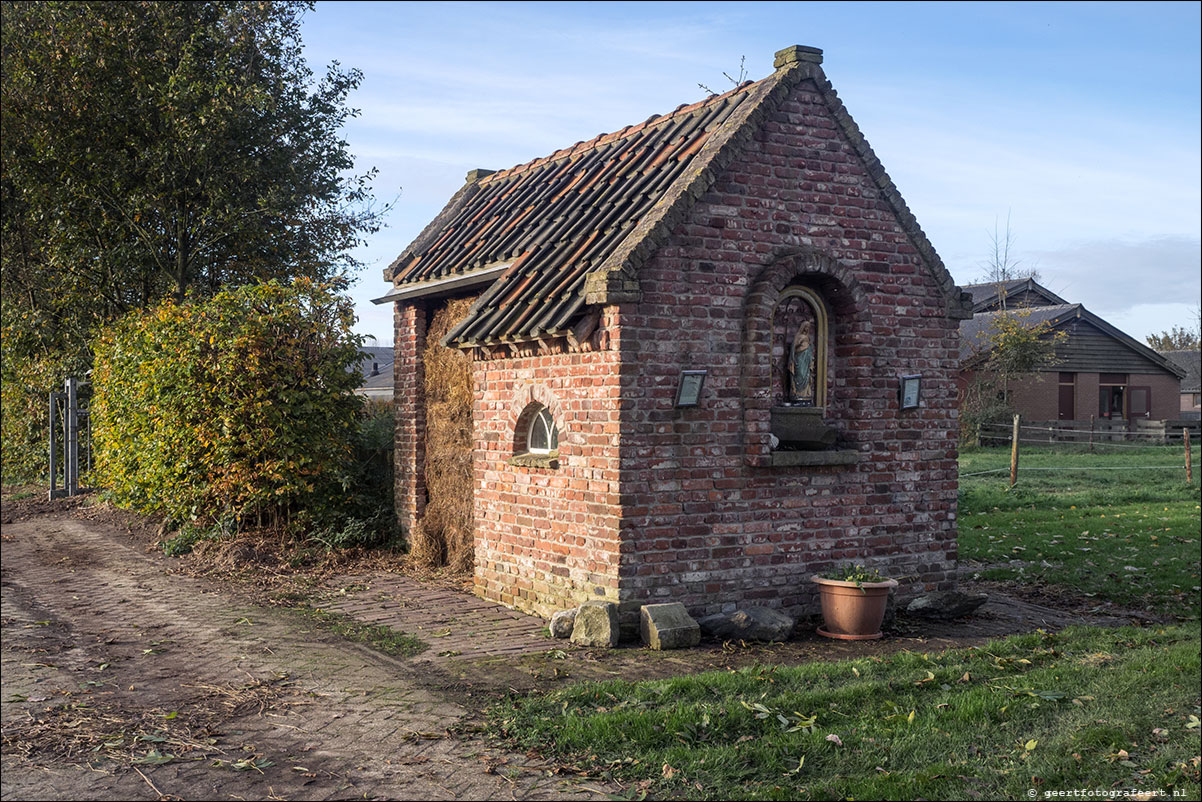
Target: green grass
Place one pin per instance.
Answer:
(1087, 708)
(1130, 535)
(379, 637)
(1083, 708)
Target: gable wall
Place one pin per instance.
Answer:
(702, 522)
(1088, 348)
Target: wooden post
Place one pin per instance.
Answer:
(1091, 434)
(1189, 466)
(1014, 454)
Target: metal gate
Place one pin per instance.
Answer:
(65, 445)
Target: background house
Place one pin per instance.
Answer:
(707, 355)
(1191, 383)
(375, 367)
(1098, 370)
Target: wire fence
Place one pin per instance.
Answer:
(1151, 441)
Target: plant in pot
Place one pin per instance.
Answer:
(853, 602)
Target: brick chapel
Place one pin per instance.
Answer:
(711, 354)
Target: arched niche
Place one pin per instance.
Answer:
(800, 348)
(799, 285)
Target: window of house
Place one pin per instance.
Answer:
(1112, 396)
(542, 437)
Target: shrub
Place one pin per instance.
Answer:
(238, 408)
(28, 373)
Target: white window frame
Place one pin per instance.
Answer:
(542, 418)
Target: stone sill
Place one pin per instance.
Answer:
(843, 457)
(550, 460)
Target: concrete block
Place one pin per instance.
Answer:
(668, 626)
(596, 625)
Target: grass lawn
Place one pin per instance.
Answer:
(1129, 535)
(1087, 708)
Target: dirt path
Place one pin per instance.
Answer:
(123, 682)
(125, 679)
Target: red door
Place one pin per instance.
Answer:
(1139, 403)
(1068, 399)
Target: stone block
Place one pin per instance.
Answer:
(596, 624)
(668, 626)
(945, 605)
(562, 623)
(748, 623)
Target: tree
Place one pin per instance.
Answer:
(1179, 338)
(1174, 339)
(1013, 348)
(1001, 265)
(160, 149)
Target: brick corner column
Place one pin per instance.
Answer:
(409, 400)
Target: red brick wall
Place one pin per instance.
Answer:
(705, 520)
(547, 538)
(1166, 394)
(1036, 397)
(409, 403)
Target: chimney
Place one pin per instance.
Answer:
(797, 54)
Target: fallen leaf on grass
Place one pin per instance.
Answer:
(835, 739)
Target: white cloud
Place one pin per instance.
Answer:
(1118, 277)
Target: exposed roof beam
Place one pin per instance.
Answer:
(445, 286)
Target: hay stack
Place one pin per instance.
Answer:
(444, 536)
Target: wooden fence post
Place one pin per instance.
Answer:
(1014, 454)
(1091, 434)
(1189, 466)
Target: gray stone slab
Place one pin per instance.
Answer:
(596, 624)
(668, 626)
(749, 623)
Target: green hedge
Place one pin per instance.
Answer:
(237, 410)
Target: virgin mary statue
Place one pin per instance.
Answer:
(801, 365)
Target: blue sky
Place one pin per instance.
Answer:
(1080, 121)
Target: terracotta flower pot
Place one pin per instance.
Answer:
(851, 611)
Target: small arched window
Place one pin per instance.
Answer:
(542, 437)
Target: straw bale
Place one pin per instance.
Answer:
(444, 536)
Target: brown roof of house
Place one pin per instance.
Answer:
(572, 229)
(988, 293)
(1191, 362)
(975, 342)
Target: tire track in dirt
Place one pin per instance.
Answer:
(95, 631)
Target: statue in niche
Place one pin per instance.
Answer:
(801, 367)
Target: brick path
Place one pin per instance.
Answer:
(90, 620)
(457, 625)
